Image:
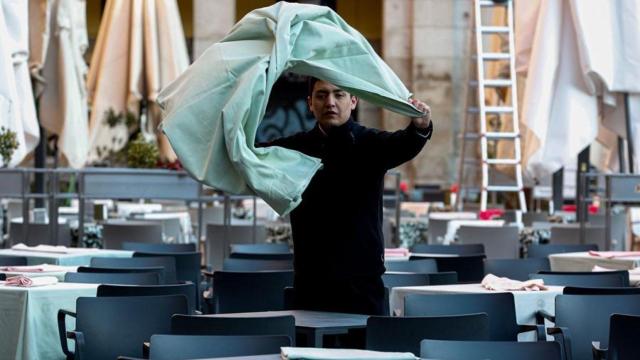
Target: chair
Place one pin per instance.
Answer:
(584, 278)
(395, 279)
(256, 265)
(500, 307)
(39, 234)
(107, 327)
(622, 344)
(569, 234)
(115, 233)
(453, 249)
(500, 242)
(528, 218)
(178, 347)
(250, 291)
(581, 319)
(436, 231)
(220, 237)
(443, 278)
(220, 325)
(494, 350)
(144, 278)
(8, 260)
(517, 269)
(151, 290)
(260, 249)
(544, 250)
(403, 334)
(422, 266)
(168, 265)
(148, 269)
(576, 290)
(158, 248)
(470, 268)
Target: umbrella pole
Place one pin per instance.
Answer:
(627, 121)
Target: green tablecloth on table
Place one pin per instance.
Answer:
(76, 259)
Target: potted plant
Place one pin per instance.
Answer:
(8, 145)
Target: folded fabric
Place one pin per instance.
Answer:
(34, 268)
(212, 111)
(51, 249)
(634, 271)
(396, 252)
(614, 254)
(492, 282)
(291, 353)
(23, 281)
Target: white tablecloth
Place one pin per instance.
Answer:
(582, 261)
(454, 225)
(59, 274)
(183, 217)
(78, 257)
(28, 319)
(527, 302)
(456, 215)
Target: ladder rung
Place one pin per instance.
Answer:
(491, 3)
(494, 29)
(503, 188)
(492, 109)
(492, 82)
(492, 135)
(496, 56)
(503, 162)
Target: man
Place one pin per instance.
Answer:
(337, 228)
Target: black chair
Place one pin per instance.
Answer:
(148, 269)
(581, 319)
(584, 278)
(260, 249)
(500, 307)
(167, 263)
(115, 233)
(158, 248)
(500, 242)
(453, 249)
(470, 268)
(517, 269)
(494, 350)
(403, 334)
(422, 266)
(395, 279)
(622, 342)
(220, 325)
(544, 250)
(256, 265)
(107, 327)
(436, 231)
(240, 255)
(8, 260)
(250, 291)
(576, 290)
(3, 277)
(151, 290)
(179, 347)
(569, 234)
(39, 234)
(443, 278)
(144, 278)
(530, 217)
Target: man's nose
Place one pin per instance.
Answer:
(331, 100)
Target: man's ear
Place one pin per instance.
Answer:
(354, 102)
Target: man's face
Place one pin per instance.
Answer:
(330, 105)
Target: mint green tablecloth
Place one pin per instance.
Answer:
(28, 319)
(76, 259)
(212, 111)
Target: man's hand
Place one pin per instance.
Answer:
(424, 121)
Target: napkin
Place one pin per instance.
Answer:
(23, 281)
(492, 282)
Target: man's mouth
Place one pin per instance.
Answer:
(331, 113)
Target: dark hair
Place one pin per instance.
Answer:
(311, 82)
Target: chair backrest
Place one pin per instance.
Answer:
(578, 290)
(494, 350)
(147, 269)
(470, 268)
(158, 248)
(288, 256)
(256, 265)
(530, 217)
(584, 279)
(395, 279)
(8, 260)
(570, 234)
(517, 269)
(423, 266)
(443, 278)
(437, 230)
(220, 325)
(500, 242)
(144, 278)
(220, 237)
(39, 234)
(178, 347)
(117, 232)
(544, 250)
(167, 263)
(114, 326)
(587, 318)
(250, 291)
(260, 249)
(622, 344)
(151, 290)
(453, 249)
(500, 307)
(403, 334)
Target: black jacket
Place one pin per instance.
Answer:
(337, 228)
